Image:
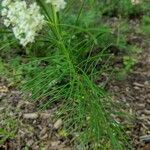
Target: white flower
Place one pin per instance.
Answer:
(6, 22)
(135, 2)
(58, 4)
(4, 12)
(5, 3)
(25, 21)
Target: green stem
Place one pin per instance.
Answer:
(64, 50)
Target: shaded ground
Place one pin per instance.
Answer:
(35, 130)
(134, 92)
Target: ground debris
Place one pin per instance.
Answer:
(3, 89)
(145, 138)
(34, 128)
(58, 124)
(30, 116)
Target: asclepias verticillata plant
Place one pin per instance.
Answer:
(67, 80)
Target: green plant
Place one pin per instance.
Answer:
(145, 24)
(128, 62)
(68, 80)
(8, 129)
(125, 8)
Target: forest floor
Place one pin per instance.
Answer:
(32, 129)
(134, 92)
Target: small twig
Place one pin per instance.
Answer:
(145, 138)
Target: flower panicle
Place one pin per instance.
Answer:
(25, 21)
(58, 4)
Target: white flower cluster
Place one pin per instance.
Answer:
(135, 2)
(58, 4)
(25, 21)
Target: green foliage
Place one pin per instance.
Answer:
(123, 8)
(128, 62)
(117, 7)
(8, 129)
(68, 80)
(145, 25)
